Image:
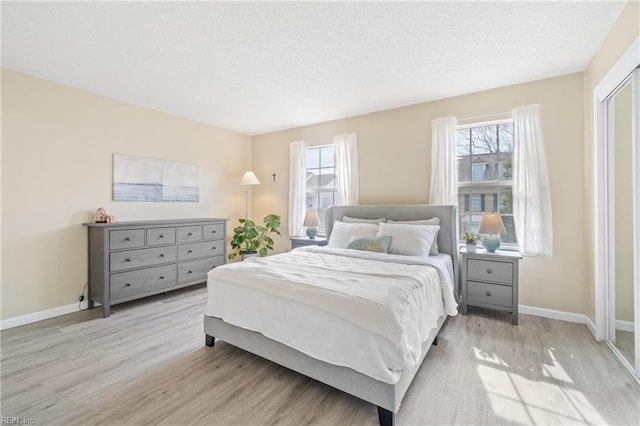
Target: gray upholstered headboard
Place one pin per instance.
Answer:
(447, 235)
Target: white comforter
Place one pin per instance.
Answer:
(367, 311)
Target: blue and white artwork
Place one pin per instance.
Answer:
(148, 179)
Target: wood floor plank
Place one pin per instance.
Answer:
(147, 364)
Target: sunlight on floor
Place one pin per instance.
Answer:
(534, 394)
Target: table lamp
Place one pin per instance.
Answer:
(491, 226)
(311, 221)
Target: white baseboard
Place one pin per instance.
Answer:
(624, 325)
(42, 315)
(559, 315)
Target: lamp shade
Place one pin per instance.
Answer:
(311, 219)
(491, 223)
(249, 178)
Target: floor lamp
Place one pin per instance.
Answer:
(248, 179)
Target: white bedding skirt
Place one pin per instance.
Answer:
(256, 295)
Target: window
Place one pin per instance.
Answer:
(484, 160)
(321, 180)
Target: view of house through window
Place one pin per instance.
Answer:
(484, 162)
(321, 180)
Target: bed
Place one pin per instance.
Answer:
(380, 352)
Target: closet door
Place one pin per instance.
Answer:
(624, 214)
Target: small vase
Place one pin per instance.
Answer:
(471, 248)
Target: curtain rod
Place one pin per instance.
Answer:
(317, 142)
(477, 117)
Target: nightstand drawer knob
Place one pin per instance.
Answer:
(127, 239)
(489, 293)
(488, 271)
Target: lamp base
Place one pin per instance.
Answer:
(312, 232)
(491, 242)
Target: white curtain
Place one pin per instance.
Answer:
(297, 187)
(444, 176)
(531, 193)
(346, 147)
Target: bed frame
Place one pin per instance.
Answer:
(387, 397)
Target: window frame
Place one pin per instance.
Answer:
(318, 191)
(499, 184)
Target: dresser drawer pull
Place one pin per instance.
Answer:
(189, 234)
(127, 260)
(161, 255)
(213, 232)
(489, 293)
(161, 277)
(127, 285)
(489, 271)
(213, 248)
(127, 239)
(189, 251)
(190, 272)
(161, 236)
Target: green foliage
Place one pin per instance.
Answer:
(251, 238)
(470, 237)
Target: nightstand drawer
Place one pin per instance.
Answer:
(490, 270)
(493, 294)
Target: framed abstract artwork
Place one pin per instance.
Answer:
(148, 179)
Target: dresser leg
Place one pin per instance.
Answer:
(107, 309)
(435, 341)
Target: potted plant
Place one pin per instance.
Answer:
(471, 239)
(251, 239)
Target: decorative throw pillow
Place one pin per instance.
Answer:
(378, 245)
(347, 219)
(342, 233)
(409, 240)
(432, 221)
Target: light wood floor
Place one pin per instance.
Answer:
(147, 364)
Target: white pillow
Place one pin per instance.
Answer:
(342, 233)
(432, 221)
(409, 240)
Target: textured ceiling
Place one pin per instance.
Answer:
(260, 67)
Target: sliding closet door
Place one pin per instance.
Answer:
(624, 214)
(622, 331)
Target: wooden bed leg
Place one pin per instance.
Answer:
(385, 417)
(209, 340)
(435, 341)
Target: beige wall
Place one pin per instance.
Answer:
(395, 157)
(624, 32)
(57, 147)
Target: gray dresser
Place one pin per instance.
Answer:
(490, 280)
(130, 260)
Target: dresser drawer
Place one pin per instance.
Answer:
(490, 270)
(201, 249)
(144, 257)
(493, 294)
(130, 284)
(196, 270)
(130, 238)
(161, 236)
(189, 233)
(214, 231)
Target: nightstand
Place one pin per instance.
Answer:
(490, 280)
(304, 241)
